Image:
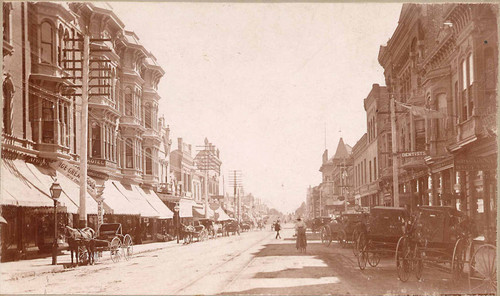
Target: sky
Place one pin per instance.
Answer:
(264, 81)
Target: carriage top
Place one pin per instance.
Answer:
(109, 230)
(440, 224)
(387, 221)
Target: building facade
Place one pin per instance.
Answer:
(441, 67)
(43, 70)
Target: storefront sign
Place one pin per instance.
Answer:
(100, 213)
(96, 161)
(72, 172)
(413, 153)
(475, 164)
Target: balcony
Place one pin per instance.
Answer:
(131, 121)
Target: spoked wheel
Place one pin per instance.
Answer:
(83, 256)
(458, 259)
(128, 246)
(373, 259)
(343, 239)
(483, 270)
(324, 236)
(115, 249)
(418, 262)
(204, 235)
(362, 252)
(403, 257)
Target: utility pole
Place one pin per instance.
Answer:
(82, 210)
(206, 165)
(236, 183)
(395, 162)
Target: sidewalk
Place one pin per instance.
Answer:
(29, 268)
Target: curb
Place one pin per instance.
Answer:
(61, 268)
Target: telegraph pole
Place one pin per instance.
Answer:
(236, 183)
(206, 155)
(395, 161)
(82, 210)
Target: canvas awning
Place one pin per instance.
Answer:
(156, 203)
(19, 188)
(186, 208)
(138, 201)
(116, 202)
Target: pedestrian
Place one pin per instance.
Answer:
(300, 232)
(277, 228)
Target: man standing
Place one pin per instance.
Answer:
(277, 228)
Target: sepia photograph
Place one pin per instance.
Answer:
(249, 148)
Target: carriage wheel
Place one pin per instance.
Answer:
(418, 262)
(403, 257)
(83, 256)
(362, 251)
(373, 259)
(458, 259)
(128, 246)
(343, 239)
(115, 248)
(483, 270)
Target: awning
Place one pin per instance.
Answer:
(18, 188)
(71, 192)
(116, 202)
(138, 201)
(199, 213)
(186, 208)
(156, 203)
(222, 215)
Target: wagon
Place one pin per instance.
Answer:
(319, 222)
(380, 235)
(441, 236)
(110, 238)
(232, 226)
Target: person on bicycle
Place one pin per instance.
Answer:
(300, 233)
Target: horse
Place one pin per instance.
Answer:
(81, 237)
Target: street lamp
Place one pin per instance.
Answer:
(176, 209)
(55, 192)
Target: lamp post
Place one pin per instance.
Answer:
(176, 209)
(55, 192)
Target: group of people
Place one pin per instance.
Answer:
(300, 233)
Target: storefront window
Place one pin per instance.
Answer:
(48, 109)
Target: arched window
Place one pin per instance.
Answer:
(47, 43)
(96, 140)
(148, 116)
(8, 94)
(128, 102)
(149, 162)
(129, 153)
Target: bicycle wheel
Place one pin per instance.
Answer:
(403, 253)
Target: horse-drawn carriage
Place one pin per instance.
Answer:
(190, 232)
(344, 229)
(319, 222)
(232, 227)
(88, 247)
(246, 225)
(443, 236)
(380, 235)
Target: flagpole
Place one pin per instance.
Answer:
(395, 164)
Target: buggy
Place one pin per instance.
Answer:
(110, 238)
(380, 235)
(442, 235)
